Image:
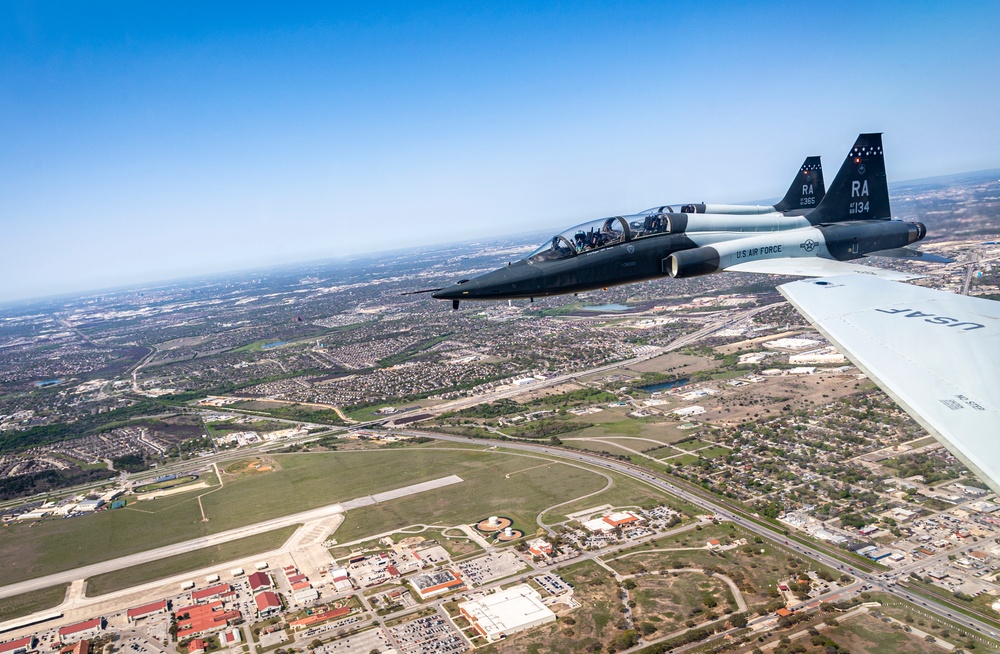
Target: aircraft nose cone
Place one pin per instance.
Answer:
(452, 292)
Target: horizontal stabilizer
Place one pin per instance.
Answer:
(911, 255)
(935, 353)
(815, 267)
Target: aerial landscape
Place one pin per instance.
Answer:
(236, 415)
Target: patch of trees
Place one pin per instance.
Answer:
(546, 428)
(504, 407)
(306, 414)
(130, 463)
(47, 480)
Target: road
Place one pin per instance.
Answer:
(878, 582)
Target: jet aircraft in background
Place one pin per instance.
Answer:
(851, 220)
(805, 192)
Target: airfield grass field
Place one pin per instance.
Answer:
(21, 605)
(298, 482)
(174, 565)
(496, 483)
(457, 545)
(626, 493)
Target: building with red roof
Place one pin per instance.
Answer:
(137, 612)
(540, 547)
(208, 593)
(267, 603)
(316, 618)
(82, 647)
(203, 619)
(196, 646)
(17, 646)
(81, 629)
(260, 581)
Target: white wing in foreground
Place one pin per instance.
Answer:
(815, 267)
(935, 353)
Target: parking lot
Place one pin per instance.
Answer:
(430, 634)
(360, 643)
(492, 566)
(553, 584)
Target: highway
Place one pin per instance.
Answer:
(878, 582)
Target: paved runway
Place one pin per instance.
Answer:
(222, 537)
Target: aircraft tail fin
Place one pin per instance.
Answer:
(859, 191)
(807, 189)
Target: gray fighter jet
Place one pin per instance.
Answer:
(851, 220)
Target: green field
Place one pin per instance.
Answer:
(626, 492)
(601, 445)
(495, 483)
(662, 452)
(655, 431)
(174, 565)
(683, 459)
(714, 451)
(692, 445)
(21, 605)
(457, 547)
(302, 482)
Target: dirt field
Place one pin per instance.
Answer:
(668, 601)
(755, 343)
(867, 635)
(733, 405)
(674, 363)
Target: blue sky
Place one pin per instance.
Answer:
(145, 141)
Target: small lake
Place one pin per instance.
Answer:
(604, 308)
(268, 346)
(665, 386)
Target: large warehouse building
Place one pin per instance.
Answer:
(506, 612)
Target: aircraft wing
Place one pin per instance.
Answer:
(935, 353)
(815, 267)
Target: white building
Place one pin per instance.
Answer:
(507, 612)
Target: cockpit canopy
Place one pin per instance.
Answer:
(588, 236)
(604, 232)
